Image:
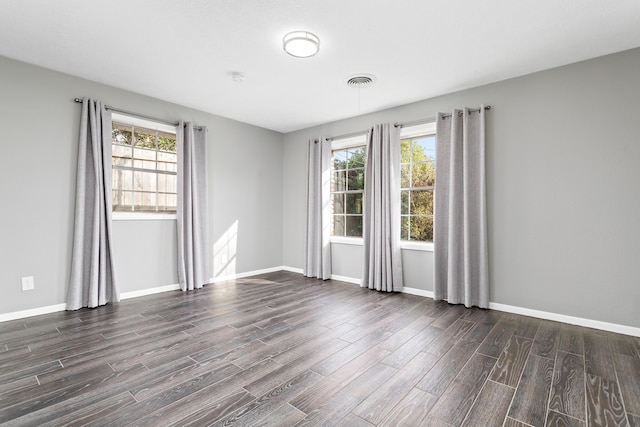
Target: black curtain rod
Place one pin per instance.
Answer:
(142, 116)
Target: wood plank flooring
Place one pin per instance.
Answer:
(283, 350)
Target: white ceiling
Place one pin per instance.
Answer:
(185, 51)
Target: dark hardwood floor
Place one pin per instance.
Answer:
(283, 350)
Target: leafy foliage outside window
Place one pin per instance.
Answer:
(123, 135)
(347, 188)
(144, 169)
(417, 180)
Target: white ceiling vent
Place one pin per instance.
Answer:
(360, 81)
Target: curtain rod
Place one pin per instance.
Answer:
(348, 135)
(400, 125)
(142, 116)
(433, 119)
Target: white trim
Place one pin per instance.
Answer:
(563, 318)
(333, 276)
(148, 291)
(293, 269)
(245, 274)
(580, 321)
(589, 323)
(32, 312)
(350, 142)
(416, 291)
(142, 216)
(404, 244)
(346, 279)
(139, 122)
(126, 119)
(343, 240)
(423, 129)
(416, 246)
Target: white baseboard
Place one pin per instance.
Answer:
(293, 269)
(133, 294)
(149, 291)
(588, 323)
(419, 292)
(580, 321)
(405, 290)
(333, 276)
(32, 312)
(62, 307)
(245, 274)
(346, 279)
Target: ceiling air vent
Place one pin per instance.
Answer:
(360, 81)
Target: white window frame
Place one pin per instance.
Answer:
(407, 133)
(148, 124)
(351, 142)
(341, 144)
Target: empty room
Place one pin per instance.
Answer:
(337, 213)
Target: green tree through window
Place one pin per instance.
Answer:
(347, 187)
(417, 180)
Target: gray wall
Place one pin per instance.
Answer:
(563, 162)
(39, 135)
(144, 254)
(563, 154)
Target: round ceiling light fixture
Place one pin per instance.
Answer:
(301, 44)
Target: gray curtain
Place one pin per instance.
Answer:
(317, 249)
(382, 267)
(460, 218)
(193, 235)
(92, 281)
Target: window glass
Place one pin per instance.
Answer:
(347, 187)
(417, 181)
(144, 168)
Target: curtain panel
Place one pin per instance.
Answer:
(92, 281)
(382, 265)
(192, 209)
(460, 218)
(317, 248)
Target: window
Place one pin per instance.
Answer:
(417, 180)
(347, 186)
(144, 166)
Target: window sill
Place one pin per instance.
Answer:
(412, 246)
(346, 240)
(143, 216)
(417, 246)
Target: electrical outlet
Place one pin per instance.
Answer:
(28, 283)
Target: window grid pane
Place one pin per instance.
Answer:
(347, 188)
(144, 169)
(354, 225)
(338, 225)
(417, 181)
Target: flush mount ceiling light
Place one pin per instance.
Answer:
(301, 44)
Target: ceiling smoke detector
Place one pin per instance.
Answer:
(237, 76)
(360, 81)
